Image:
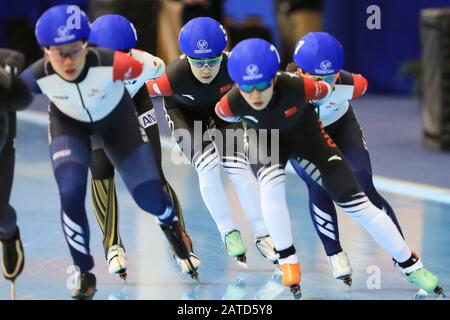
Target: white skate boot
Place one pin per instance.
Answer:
(341, 267)
(189, 266)
(266, 247)
(117, 261)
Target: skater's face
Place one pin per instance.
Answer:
(258, 95)
(205, 70)
(68, 59)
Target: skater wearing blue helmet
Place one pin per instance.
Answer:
(192, 85)
(279, 103)
(118, 33)
(319, 55)
(88, 100)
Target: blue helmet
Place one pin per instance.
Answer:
(113, 31)
(61, 25)
(252, 61)
(319, 53)
(202, 37)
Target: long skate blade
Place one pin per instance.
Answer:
(13, 290)
(296, 292)
(123, 275)
(439, 292)
(348, 281)
(194, 275)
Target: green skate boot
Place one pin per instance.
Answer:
(236, 247)
(425, 280)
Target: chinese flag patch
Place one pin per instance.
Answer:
(290, 112)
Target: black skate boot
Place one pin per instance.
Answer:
(182, 247)
(188, 266)
(13, 257)
(85, 287)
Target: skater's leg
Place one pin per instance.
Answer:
(321, 207)
(135, 161)
(146, 110)
(70, 155)
(341, 184)
(271, 178)
(12, 249)
(7, 158)
(205, 159)
(70, 158)
(276, 216)
(236, 166)
(104, 198)
(360, 162)
(349, 138)
(324, 218)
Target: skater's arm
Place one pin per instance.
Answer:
(315, 90)
(14, 93)
(360, 85)
(224, 112)
(159, 87)
(154, 67)
(125, 67)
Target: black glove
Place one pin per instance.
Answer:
(12, 61)
(5, 80)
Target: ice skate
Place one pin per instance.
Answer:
(266, 248)
(291, 278)
(117, 261)
(236, 247)
(426, 281)
(13, 260)
(341, 267)
(416, 274)
(86, 286)
(182, 248)
(189, 266)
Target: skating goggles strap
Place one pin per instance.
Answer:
(72, 53)
(201, 63)
(260, 86)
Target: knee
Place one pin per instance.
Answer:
(270, 177)
(72, 196)
(340, 182)
(238, 170)
(207, 163)
(71, 183)
(365, 180)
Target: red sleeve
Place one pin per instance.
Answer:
(315, 90)
(223, 108)
(360, 85)
(159, 87)
(125, 67)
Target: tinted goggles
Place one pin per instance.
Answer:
(260, 86)
(201, 63)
